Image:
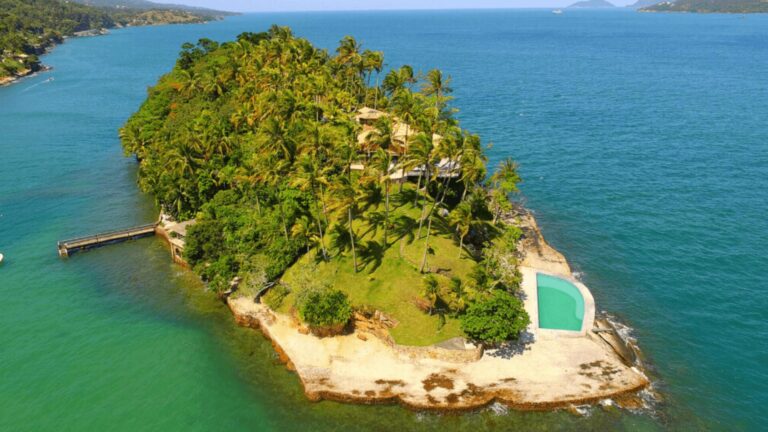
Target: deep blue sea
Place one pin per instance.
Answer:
(642, 139)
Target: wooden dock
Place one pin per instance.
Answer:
(68, 247)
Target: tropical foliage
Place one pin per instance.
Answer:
(496, 319)
(327, 308)
(261, 141)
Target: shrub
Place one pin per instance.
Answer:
(496, 319)
(219, 273)
(326, 309)
(204, 242)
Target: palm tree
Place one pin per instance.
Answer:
(438, 86)
(303, 228)
(189, 84)
(398, 80)
(450, 151)
(426, 240)
(274, 176)
(459, 294)
(462, 218)
(473, 162)
(350, 58)
(422, 158)
(345, 204)
(505, 181)
(406, 107)
(431, 290)
(383, 134)
(306, 178)
(382, 163)
(212, 84)
(318, 142)
(372, 61)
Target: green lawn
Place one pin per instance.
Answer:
(388, 278)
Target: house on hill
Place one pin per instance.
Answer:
(401, 134)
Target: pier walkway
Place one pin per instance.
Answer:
(68, 247)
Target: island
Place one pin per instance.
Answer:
(592, 4)
(350, 218)
(710, 6)
(639, 4)
(28, 30)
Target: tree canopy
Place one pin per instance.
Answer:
(496, 319)
(273, 146)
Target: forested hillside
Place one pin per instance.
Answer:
(296, 163)
(711, 6)
(29, 27)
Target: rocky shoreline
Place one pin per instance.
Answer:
(367, 367)
(40, 67)
(6, 81)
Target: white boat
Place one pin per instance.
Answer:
(557, 11)
(1, 258)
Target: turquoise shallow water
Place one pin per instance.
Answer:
(561, 305)
(642, 139)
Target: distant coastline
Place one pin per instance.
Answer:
(39, 39)
(706, 6)
(41, 67)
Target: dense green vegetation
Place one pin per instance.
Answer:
(325, 309)
(29, 27)
(146, 5)
(710, 6)
(496, 319)
(260, 140)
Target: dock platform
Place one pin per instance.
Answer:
(68, 247)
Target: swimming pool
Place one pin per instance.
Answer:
(561, 304)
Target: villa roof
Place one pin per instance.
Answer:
(366, 113)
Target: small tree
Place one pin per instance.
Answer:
(326, 311)
(458, 295)
(499, 318)
(431, 291)
(461, 217)
(254, 275)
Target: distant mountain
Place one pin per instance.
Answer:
(710, 6)
(146, 5)
(592, 4)
(644, 3)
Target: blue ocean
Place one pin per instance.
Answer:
(642, 140)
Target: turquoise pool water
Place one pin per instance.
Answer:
(561, 305)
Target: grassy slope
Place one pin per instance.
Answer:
(391, 281)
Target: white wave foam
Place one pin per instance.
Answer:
(499, 409)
